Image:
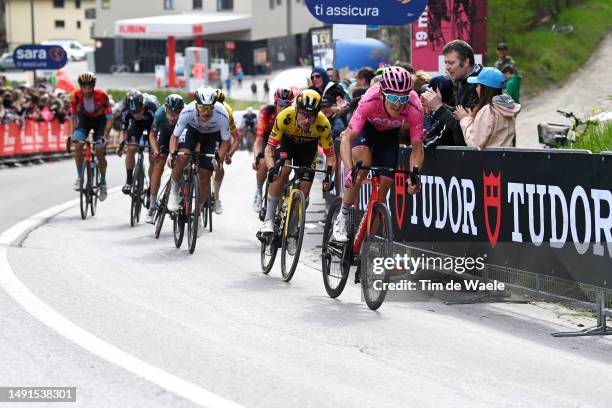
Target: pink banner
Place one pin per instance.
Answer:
(444, 21)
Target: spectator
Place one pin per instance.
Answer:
(492, 122)
(434, 129)
(364, 77)
(406, 65)
(332, 105)
(459, 63)
(266, 89)
(254, 90)
(228, 85)
(240, 77)
(319, 79)
(420, 78)
(513, 83)
(503, 59)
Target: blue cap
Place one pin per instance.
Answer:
(491, 77)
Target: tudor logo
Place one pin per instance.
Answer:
(492, 202)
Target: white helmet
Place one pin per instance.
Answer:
(249, 110)
(205, 95)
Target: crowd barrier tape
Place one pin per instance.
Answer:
(540, 211)
(33, 138)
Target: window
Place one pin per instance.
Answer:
(225, 5)
(168, 4)
(58, 3)
(78, 24)
(279, 2)
(60, 24)
(197, 4)
(106, 4)
(77, 4)
(271, 4)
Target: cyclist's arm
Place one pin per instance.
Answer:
(153, 139)
(348, 136)
(257, 148)
(73, 113)
(237, 139)
(274, 141)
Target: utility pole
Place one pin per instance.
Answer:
(33, 36)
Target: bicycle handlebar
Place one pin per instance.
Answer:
(414, 173)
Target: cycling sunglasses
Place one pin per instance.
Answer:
(392, 98)
(205, 108)
(281, 102)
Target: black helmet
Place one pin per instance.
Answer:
(309, 100)
(220, 96)
(134, 100)
(174, 102)
(87, 78)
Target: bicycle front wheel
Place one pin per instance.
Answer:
(381, 231)
(135, 196)
(94, 189)
(335, 256)
(83, 191)
(160, 214)
(293, 236)
(192, 210)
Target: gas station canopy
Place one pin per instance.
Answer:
(182, 25)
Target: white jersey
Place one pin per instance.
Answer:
(218, 122)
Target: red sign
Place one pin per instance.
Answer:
(444, 21)
(32, 137)
(492, 203)
(198, 29)
(132, 29)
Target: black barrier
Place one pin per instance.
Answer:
(546, 212)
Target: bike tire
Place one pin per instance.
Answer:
(211, 201)
(160, 214)
(296, 217)
(135, 196)
(381, 230)
(178, 230)
(193, 212)
(94, 189)
(335, 259)
(269, 248)
(83, 199)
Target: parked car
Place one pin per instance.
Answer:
(74, 49)
(6, 61)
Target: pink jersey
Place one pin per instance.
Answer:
(371, 108)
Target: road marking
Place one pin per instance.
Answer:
(45, 314)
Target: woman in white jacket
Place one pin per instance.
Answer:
(492, 122)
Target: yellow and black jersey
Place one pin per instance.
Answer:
(286, 126)
(230, 113)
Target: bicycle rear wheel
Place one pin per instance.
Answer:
(83, 190)
(160, 214)
(293, 236)
(179, 218)
(381, 231)
(135, 196)
(192, 210)
(94, 189)
(335, 256)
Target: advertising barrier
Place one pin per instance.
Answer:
(32, 137)
(544, 212)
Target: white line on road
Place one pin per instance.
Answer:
(45, 314)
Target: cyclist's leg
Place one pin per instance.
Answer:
(208, 145)
(219, 172)
(134, 134)
(385, 153)
(159, 164)
(186, 143)
(360, 152)
(101, 147)
(262, 171)
(305, 154)
(80, 135)
(275, 190)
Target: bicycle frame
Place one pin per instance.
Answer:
(364, 224)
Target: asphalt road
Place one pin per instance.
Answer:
(213, 321)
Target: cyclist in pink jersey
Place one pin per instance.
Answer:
(385, 111)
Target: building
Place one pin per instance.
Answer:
(260, 34)
(53, 20)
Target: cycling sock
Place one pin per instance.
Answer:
(271, 208)
(153, 200)
(102, 177)
(79, 170)
(130, 173)
(217, 189)
(174, 185)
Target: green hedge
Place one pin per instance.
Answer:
(236, 104)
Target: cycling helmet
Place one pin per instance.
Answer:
(396, 79)
(220, 96)
(284, 94)
(134, 100)
(87, 78)
(205, 95)
(174, 102)
(309, 100)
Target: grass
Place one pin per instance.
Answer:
(236, 104)
(545, 58)
(596, 138)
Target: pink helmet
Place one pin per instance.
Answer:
(396, 79)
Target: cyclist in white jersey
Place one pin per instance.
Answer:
(204, 122)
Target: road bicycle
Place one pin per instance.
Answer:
(189, 202)
(139, 193)
(289, 224)
(209, 205)
(375, 227)
(90, 181)
(556, 135)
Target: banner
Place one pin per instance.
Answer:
(33, 137)
(547, 212)
(446, 20)
(380, 12)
